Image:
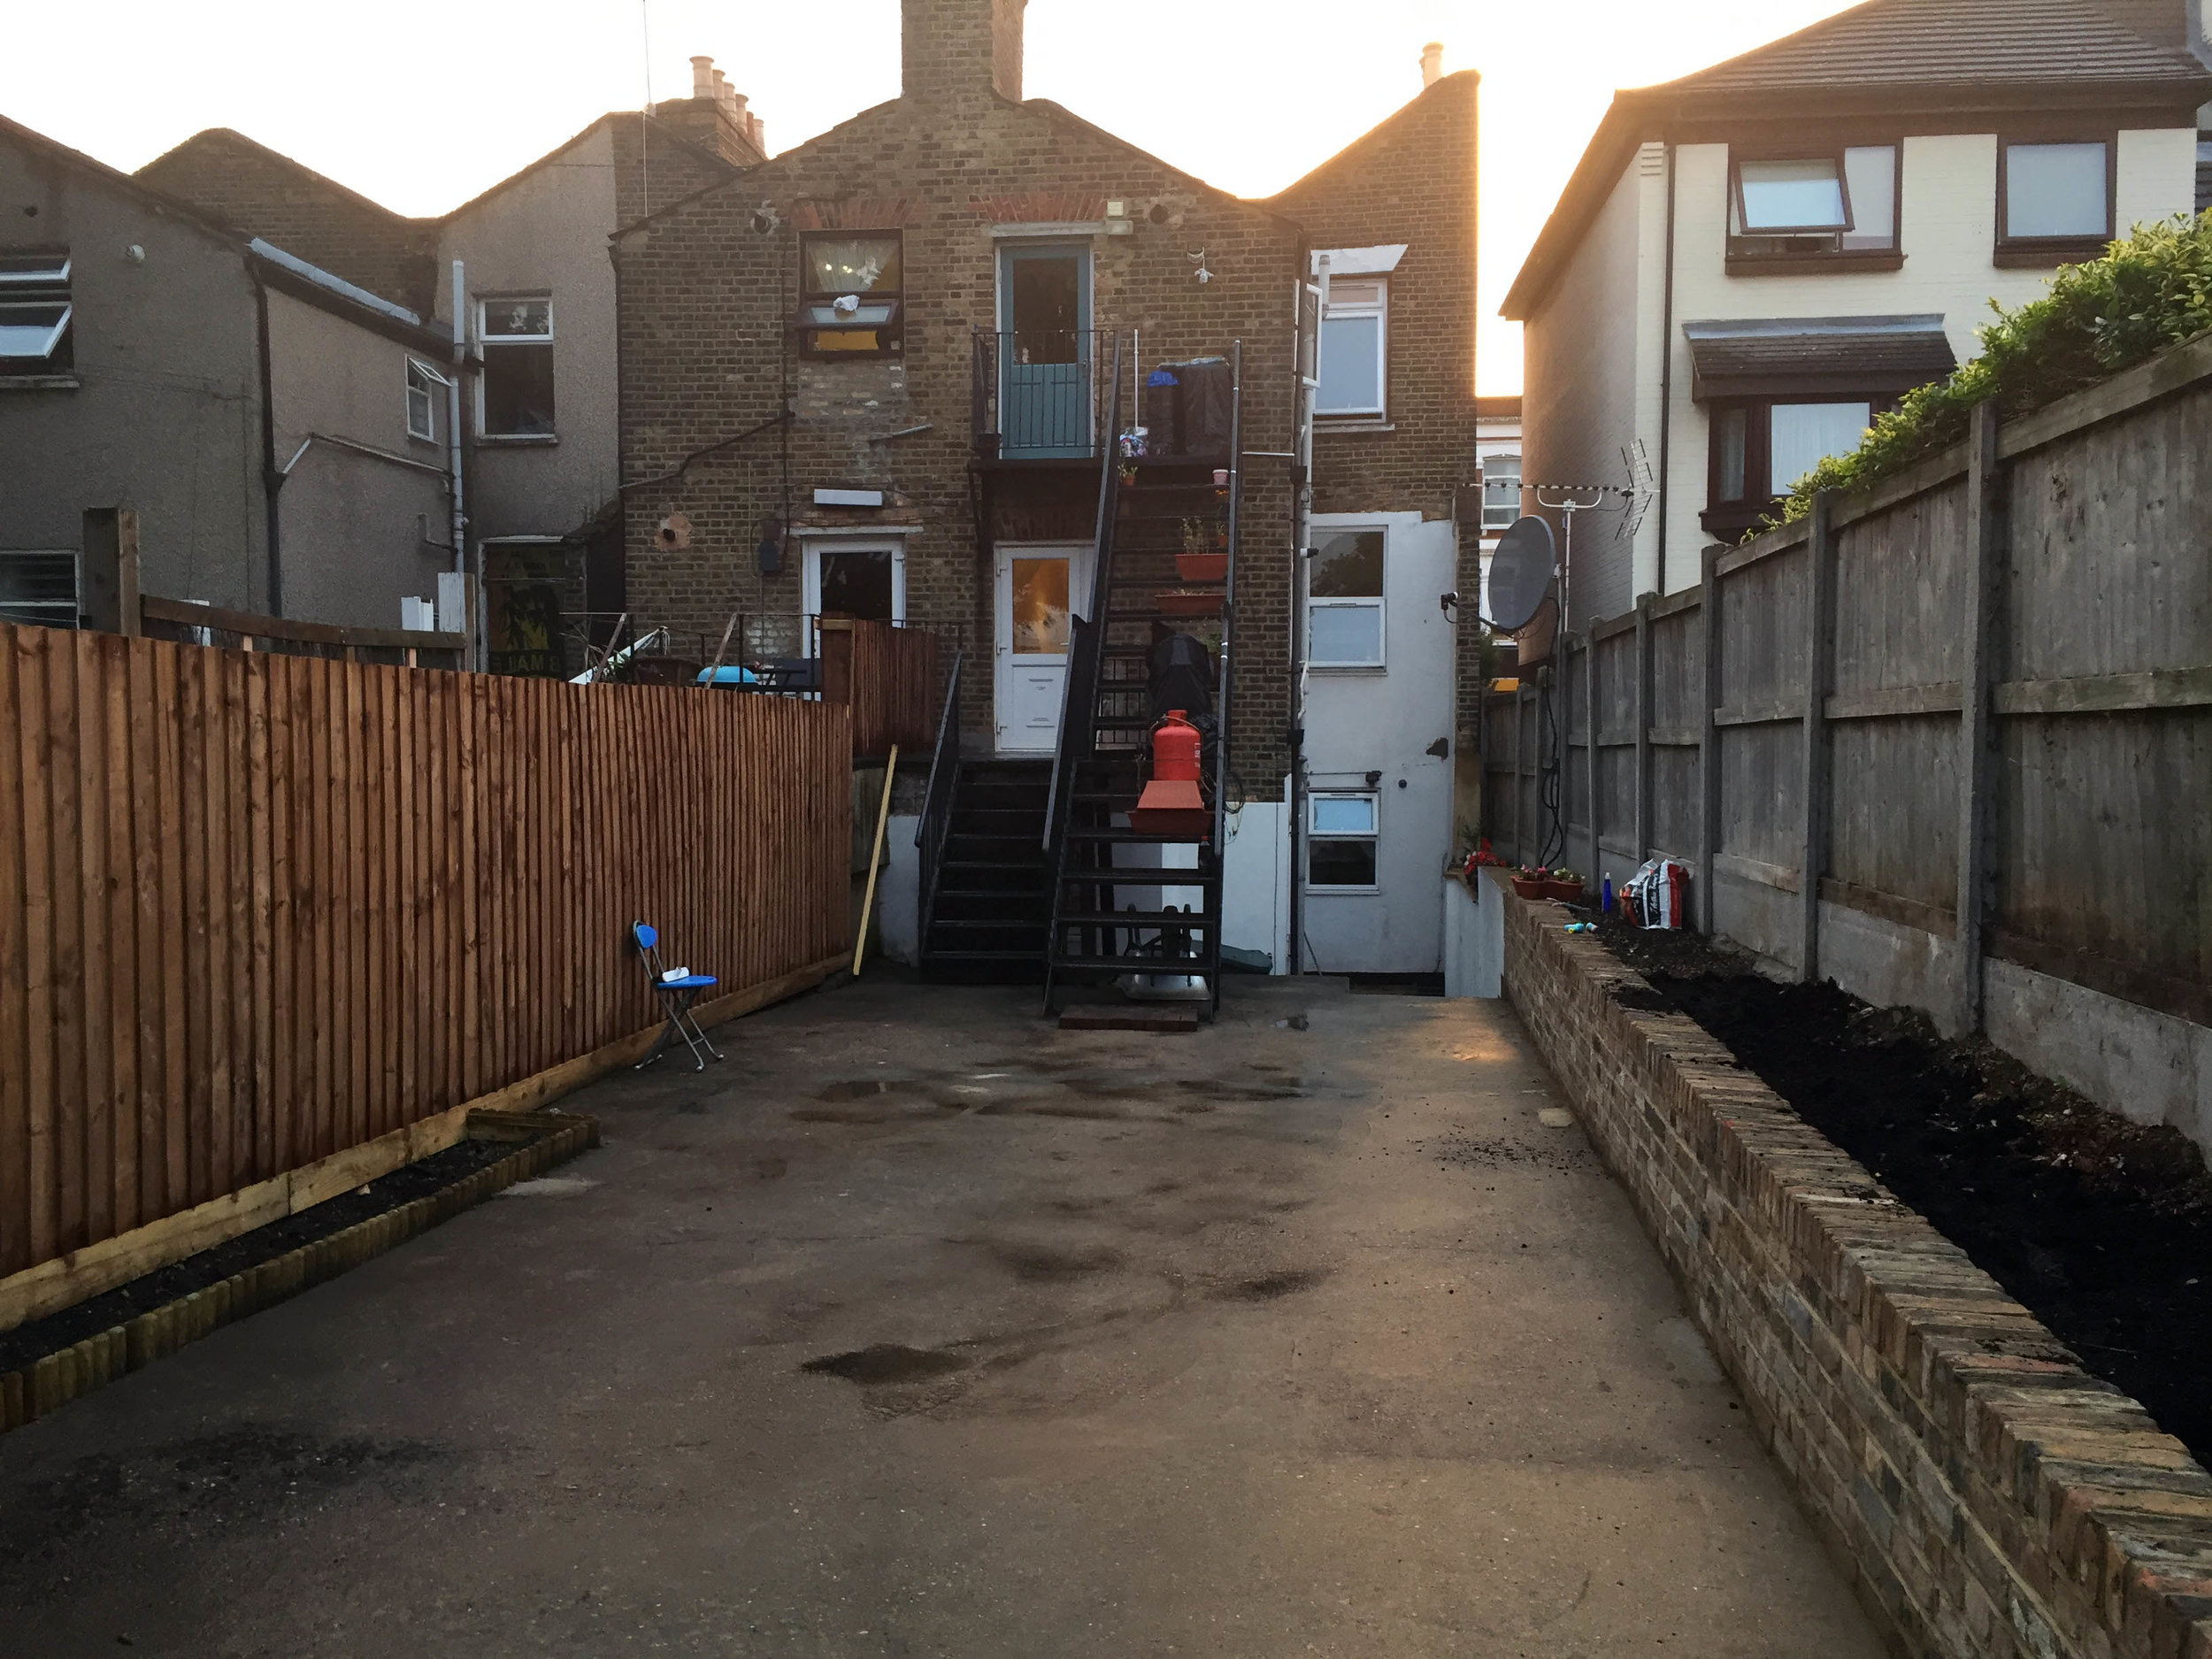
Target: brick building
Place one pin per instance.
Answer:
(958, 225)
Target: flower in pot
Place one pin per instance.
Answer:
(1529, 881)
(1564, 884)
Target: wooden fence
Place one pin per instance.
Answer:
(1974, 700)
(888, 676)
(256, 910)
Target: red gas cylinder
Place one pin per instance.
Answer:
(1171, 804)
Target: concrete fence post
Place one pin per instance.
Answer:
(1643, 729)
(1985, 553)
(1708, 821)
(1820, 651)
(1590, 757)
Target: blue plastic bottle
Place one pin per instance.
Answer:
(1605, 895)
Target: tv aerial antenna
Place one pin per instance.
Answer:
(1569, 501)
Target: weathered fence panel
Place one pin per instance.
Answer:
(2087, 943)
(256, 910)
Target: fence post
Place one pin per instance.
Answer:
(1643, 729)
(1820, 649)
(110, 566)
(1709, 826)
(1985, 564)
(1590, 757)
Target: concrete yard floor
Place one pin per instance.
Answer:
(921, 1327)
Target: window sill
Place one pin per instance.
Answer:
(1354, 423)
(1315, 890)
(39, 382)
(1348, 668)
(1733, 520)
(518, 441)
(2048, 257)
(1809, 263)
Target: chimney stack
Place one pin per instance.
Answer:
(703, 75)
(961, 49)
(1431, 64)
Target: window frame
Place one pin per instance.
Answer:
(1733, 516)
(428, 390)
(1741, 215)
(1378, 603)
(76, 571)
(2031, 253)
(1741, 260)
(1316, 837)
(1483, 462)
(1380, 309)
(42, 287)
(487, 343)
(890, 333)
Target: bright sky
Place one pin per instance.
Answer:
(1246, 93)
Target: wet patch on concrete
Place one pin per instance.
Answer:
(1497, 1152)
(1224, 1089)
(1050, 1262)
(1272, 1287)
(883, 1364)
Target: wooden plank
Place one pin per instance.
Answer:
(1673, 604)
(1784, 711)
(1891, 907)
(124, 988)
(280, 781)
(1781, 539)
(390, 1039)
(407, 1006)
(238, 927)
(176, 1013)
(1820, 651)
(1891, 702)
(2106, 693)
(1708, 812)
(318, 1139)
(1673, 736)
(251, 625)
(360, 1033)
(15, 1103)
(1590, 757)
(2177, 370)
(62, 714)
(33, 692)
(98, 895)
(1985, 557)
(1780, 877)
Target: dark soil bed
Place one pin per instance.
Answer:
(2101, 1227)
(28, 1343)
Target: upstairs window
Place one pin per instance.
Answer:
(422, 406)
(34, 314)
(853, 293)
(1808, 207)
(514, 395)
(2054, 201)
(1500, 492)
(1354, 349)
(1344, 603)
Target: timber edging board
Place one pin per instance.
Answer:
(1986, 1495)
(68, 1280)
(48, 1384)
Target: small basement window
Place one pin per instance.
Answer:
(1344, 600)
(1354, 349)
(39, 589)
(514, 393)
(35, 314)
(422, 402)
(852, 301)
(2054, 199)
(1341, 836)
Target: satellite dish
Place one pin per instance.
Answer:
(1521, 574)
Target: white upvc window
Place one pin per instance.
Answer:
(1342, 833)
(1355, 373)
(1501, 491)
(514, 393)
(34, 313)
(422, 401)
(1344, 599)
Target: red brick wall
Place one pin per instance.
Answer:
(257, 192)
(705, 357)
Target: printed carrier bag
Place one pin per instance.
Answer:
(1658, 893)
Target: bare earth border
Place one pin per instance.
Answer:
(1989, 1497)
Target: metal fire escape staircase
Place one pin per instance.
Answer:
(1110, 914)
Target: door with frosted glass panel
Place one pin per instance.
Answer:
(1039, 589)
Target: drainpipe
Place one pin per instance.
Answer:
(453, 450)
(1666, 375)
(272, 477)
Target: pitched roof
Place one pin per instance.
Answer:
(1948, 44)
(1902, 57)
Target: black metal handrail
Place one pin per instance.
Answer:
(1087, 640)
(937, 800)
(1044, 393)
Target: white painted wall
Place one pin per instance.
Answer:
(1256, 880)
(899, 893)
(1386, 720)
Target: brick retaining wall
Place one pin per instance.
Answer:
(1988, 1497)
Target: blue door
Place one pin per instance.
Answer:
(1045, 356)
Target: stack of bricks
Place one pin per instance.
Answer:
(1989, 1496)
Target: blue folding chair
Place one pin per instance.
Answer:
(676, 995)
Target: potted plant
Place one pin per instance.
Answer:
(1564, 885)
(1204, 556)
(1529, 881)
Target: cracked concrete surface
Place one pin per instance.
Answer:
(919, 1327)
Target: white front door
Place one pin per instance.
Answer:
(1039, 588)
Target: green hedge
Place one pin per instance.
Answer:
(2149, 292)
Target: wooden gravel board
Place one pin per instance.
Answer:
(35, 1390)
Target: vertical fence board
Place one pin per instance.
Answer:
(15, 1121)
